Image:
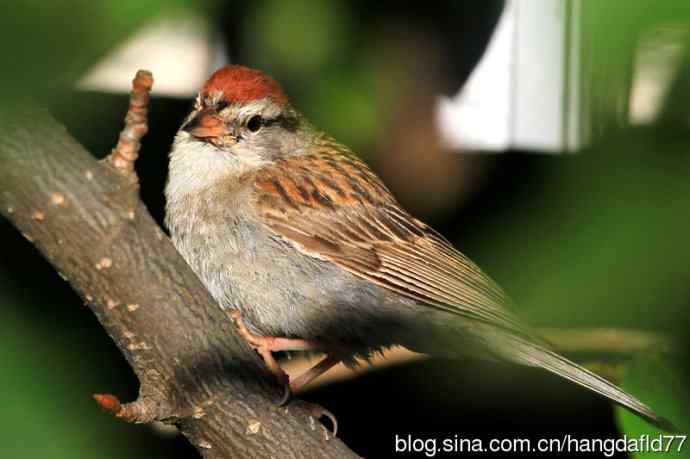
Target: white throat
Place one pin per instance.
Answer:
(195, 166)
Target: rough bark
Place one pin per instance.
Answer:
(194, 371)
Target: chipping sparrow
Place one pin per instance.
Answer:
(286, 227)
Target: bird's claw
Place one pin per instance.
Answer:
(287, 395)
(317, 411)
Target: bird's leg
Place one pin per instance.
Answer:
(266, 345)
(305, 378)
(314, 372)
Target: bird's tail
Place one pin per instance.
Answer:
(522, 351)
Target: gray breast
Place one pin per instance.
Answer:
(280, 290)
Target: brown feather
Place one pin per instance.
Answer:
(332, 206)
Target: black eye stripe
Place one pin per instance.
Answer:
(266, 121)
(255, 123)
(280, 119)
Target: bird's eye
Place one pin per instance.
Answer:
(255, 123)
(222, 105)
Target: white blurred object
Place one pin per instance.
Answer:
(178, 50)
(658, 60)
(524, 93)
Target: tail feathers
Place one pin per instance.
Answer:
(531, 354)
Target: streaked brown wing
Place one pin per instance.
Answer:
(336, 208)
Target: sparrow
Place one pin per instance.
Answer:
(308, 250)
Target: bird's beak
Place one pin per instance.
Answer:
(206, 125)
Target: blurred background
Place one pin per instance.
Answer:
(547, 140)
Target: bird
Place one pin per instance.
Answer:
(307, 249)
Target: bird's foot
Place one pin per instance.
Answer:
(266, 345)
(308, 376)
(317, 411)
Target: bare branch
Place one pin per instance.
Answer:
(125, 153)
(140, 411)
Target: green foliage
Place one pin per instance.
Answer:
(356, 118)
(656, 381)
(298, 36)
(603, 242)
(44, 415)
(48, 44)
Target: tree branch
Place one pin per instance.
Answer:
(126, 151)
(194, 371)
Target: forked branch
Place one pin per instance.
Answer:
(87, 219)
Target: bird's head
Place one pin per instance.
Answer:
(241, 120)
